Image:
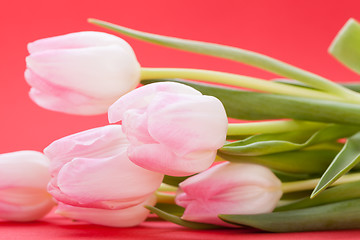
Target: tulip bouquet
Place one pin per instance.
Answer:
(169, 148)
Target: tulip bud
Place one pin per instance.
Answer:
(172, 128)
(24, 177)
(126, 217)
(92, 176)
(80, 73)
(228, 188)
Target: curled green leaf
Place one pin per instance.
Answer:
(346, 45)
(263, 144)
(347, 158)
(309, 161)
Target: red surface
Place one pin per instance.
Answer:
(54, 227)
(298, 32)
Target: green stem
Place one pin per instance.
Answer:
(236, 80)
(310, 184)
(165, 197)
(237, 129)
(235, 54)
(167, 188)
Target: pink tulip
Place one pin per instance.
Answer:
(126, 217)
(92, 176)
(228, 188)
(172, 128)
(80, 73)
(24, 176)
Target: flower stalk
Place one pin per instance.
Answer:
(310, 184)
(236, 129)
(238, 81)
(167, 188)
(236, 54)
(162, 197)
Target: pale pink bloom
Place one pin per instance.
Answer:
(126, 217)
(80, 73)
(24, 176)
(172, 128)
(228, 188)
(91, 170)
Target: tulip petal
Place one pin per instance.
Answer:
(91, 169)
(72, 104)
(228, 188)
(77, 40)
(135, 127)
(126, 217)
(159, 158)
(24, 204)
(105, 141)
(80, 69)
(57, 98)
(24, 169)
(188, 123)
(93, 179)
(172, 128)
(81, 73)
(80, 179)
(141, 97)
(24, 176)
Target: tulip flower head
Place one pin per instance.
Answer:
(228, 188)
(125, 217)
(172, 128)
(93, 179)
(24, 177)
(80, 73)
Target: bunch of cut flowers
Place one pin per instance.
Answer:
(290, 164)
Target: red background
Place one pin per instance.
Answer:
(298, 32)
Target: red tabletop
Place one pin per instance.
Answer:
(298, 32)
(55, 227)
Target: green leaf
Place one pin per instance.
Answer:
(338, 193)
(231, 53)
(263, 144)
(292, 196)
(170, 208)
(177, 220)
(350, 85)
(307, 161)
(353, 86)
(347, 158)
(346, 45)
(260, 106)
(334, 216)
(174, 181)
(289, 177)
